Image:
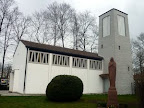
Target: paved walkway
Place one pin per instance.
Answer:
(7, 93)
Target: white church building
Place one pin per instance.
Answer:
(35, 64)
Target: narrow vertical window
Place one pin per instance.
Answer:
(90, 64)
(44, 58)
(47, 57)
(67, 61)
(39, 57)
(106, 26)
(128, 68)
(102, 46)
(99, 65)
(73, 62)
(30, 56)
(121, 25)
(53, 59)
(56, 61)
(119, 47)
(61, 60)
(95, 65)
(85, 63)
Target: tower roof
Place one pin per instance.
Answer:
(113, 9)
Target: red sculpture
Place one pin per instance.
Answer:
(112, 93)
(112, 72)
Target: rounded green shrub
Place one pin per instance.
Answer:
(64, 88)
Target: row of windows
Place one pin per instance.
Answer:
(38, 57)
(62, 60)
(94, 64)
(79, 62)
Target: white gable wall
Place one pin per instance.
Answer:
(82, 74)
(95, 82)
(36, 78)
(11, 81)
(59, 70)
(18, 67)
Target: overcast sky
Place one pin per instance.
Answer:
(134, 9)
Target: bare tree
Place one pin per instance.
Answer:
(94, 38)
(8, 69)
(39, 28)
(138, 53)
(4, 11)
(84, 31)
(20, 27)
(7, 13)
(62, 21)
(58, 16)
(56, 23)
(75, 25)
(51, 17)
(86, 22)
(138, 63)
(64, 15)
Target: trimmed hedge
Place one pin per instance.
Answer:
(64, 88)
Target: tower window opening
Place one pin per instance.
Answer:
(121, 25)
(119, 47)
(106, 26)
(102, 46)
(128, 68)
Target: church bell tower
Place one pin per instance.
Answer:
(114, 41)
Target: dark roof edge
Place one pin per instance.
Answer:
(68, 54)
(113, 9)
(59, 52)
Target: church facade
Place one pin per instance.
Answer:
(34, 64)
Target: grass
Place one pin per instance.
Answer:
(86, 101)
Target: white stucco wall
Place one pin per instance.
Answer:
(18, 67)
(95, 82)
(82, 74)
(16, 81)
(36, 78)
(106, 85)
(39, 75)
(11, 81)
(59, 70)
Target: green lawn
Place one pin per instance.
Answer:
(87, 101)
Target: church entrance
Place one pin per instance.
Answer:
(105, 82)
(106, 85)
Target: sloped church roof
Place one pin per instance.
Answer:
(60, 50)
